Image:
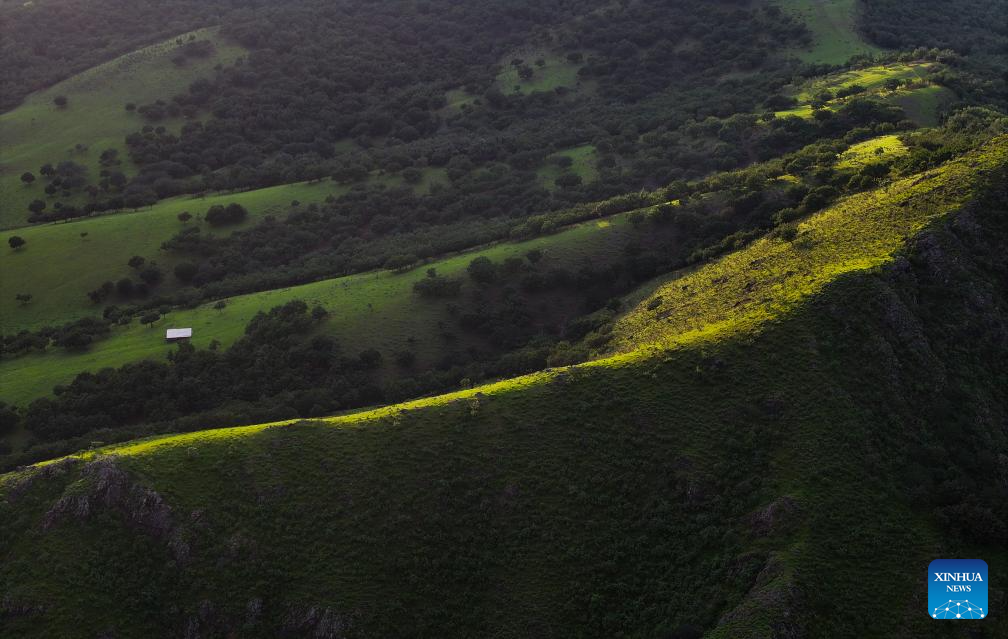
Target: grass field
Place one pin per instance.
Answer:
(878, 149)
(38, 132)
(833, 24)
(58, 266)
(557, 72)
(924, 104)
(583, 160)
(921, 103)
(371, 310)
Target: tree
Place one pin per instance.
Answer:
(136, 261)
(60, 101)
(534, 256)
(184, 216)
(186, 271)
(16, 242)
(37, 206)
(219, 215)
(24, 298)
(482, 270)
(151, 275)
(220, 305)
(150, 318)
(27, 177)
(125, 287)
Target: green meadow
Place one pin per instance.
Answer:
(556, 72)
(59, 265)
(583, 164)
(370, 310)
(61, 262)
(872, 151)
(834, 30)
(921, 102)
(38, 132)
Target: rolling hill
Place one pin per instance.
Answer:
(735, 461)
(95, 118)
(668, 319)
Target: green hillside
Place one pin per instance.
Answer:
(834, 29)
(751, 481)
(771, 276)
(61, 262)
(371, 310)
(650, 319)
(39, 132)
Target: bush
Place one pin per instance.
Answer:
(219, 215)
(482, 270)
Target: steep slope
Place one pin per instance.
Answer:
(750, 481)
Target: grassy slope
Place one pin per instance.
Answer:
(38, 132)
(583, 164)
(921, 104)
(833, 24)
(871, 151)
(371, 310)
(58, 266)
(619, 497)
(771, 276)
(557, 72)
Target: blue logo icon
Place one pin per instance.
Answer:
(957, 589)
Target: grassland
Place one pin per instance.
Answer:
(743, 468)
(921, 100)
(58, 265)
(371, 310)
(555, 73)
(872, 151)
(38, 132)
(583, 164)
(833, 24)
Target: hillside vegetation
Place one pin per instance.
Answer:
(771, 276)
(94, 119)
(734, 465)
(650, 319)
(376, 310)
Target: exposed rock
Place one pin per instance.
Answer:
(317, 622)
(107, 486)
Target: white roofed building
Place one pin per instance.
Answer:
(177, 334)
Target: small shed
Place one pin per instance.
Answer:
(178, 334)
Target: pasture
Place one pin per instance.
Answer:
(95, 117)
(582, 163)
(878, 149)
(549, 72)
(915, 93)
(833, 24)
(370, 310)
(61, 262)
